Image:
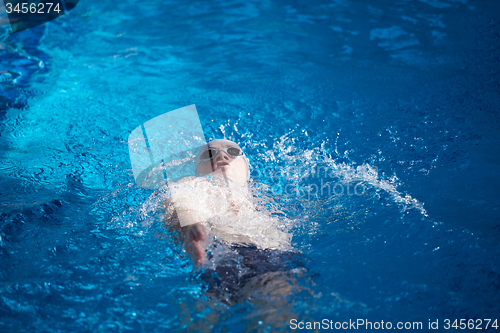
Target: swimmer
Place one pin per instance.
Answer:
(250, 252)
(219, 200)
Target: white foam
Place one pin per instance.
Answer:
(304, 164)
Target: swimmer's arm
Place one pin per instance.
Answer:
(193, 236)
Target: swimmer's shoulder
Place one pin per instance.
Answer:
(167, 187)
(168, 204)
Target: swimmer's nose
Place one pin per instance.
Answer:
(221, 156)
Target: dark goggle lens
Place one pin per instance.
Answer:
(234, 152)
(208, 154)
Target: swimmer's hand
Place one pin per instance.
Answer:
(195, 242)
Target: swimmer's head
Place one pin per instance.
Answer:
(223, 156)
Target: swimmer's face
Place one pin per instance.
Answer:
(223, 161)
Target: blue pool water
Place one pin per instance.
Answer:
(397, 100)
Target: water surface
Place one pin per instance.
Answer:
(397, 98)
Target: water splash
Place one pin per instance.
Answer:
(301, 168)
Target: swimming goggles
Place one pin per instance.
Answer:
(210, 153)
